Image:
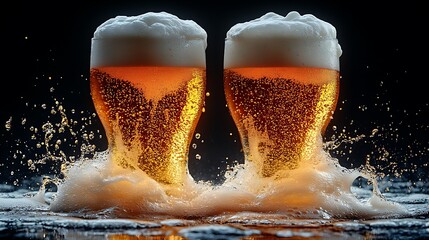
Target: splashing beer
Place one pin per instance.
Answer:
(281, 79)
(148, 85)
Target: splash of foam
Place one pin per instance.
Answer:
(320, 189)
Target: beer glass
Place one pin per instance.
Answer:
(281, 80)
(147, 82)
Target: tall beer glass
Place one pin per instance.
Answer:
(281, 80)
(148, 84)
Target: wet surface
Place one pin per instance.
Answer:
(22, 216)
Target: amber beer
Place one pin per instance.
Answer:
(148, 90)
(156, 130)
(281, 80)
(282, 114)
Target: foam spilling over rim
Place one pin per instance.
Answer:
(274, 40)
(149, 39)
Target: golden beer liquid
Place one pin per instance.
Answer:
(149, 114)
(280, 112)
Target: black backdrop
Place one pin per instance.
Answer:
(46, 49)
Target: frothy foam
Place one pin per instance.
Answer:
(151, 39)
(273, 40)
(320, 189)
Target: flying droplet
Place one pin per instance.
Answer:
(8, 124)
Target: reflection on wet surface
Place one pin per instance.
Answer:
(36, 221)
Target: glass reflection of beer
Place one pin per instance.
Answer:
(281, 80)
(148, 84)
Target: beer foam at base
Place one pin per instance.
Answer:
(273, 40)
(149, 39)
(315, 190)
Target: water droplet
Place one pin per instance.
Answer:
(198, 156)
(8, 124)
(197, 136)
(373, 132)
(194, 145)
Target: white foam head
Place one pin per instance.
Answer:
(151, 39)
(273, 40)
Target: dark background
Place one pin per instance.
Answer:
(46, 52)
